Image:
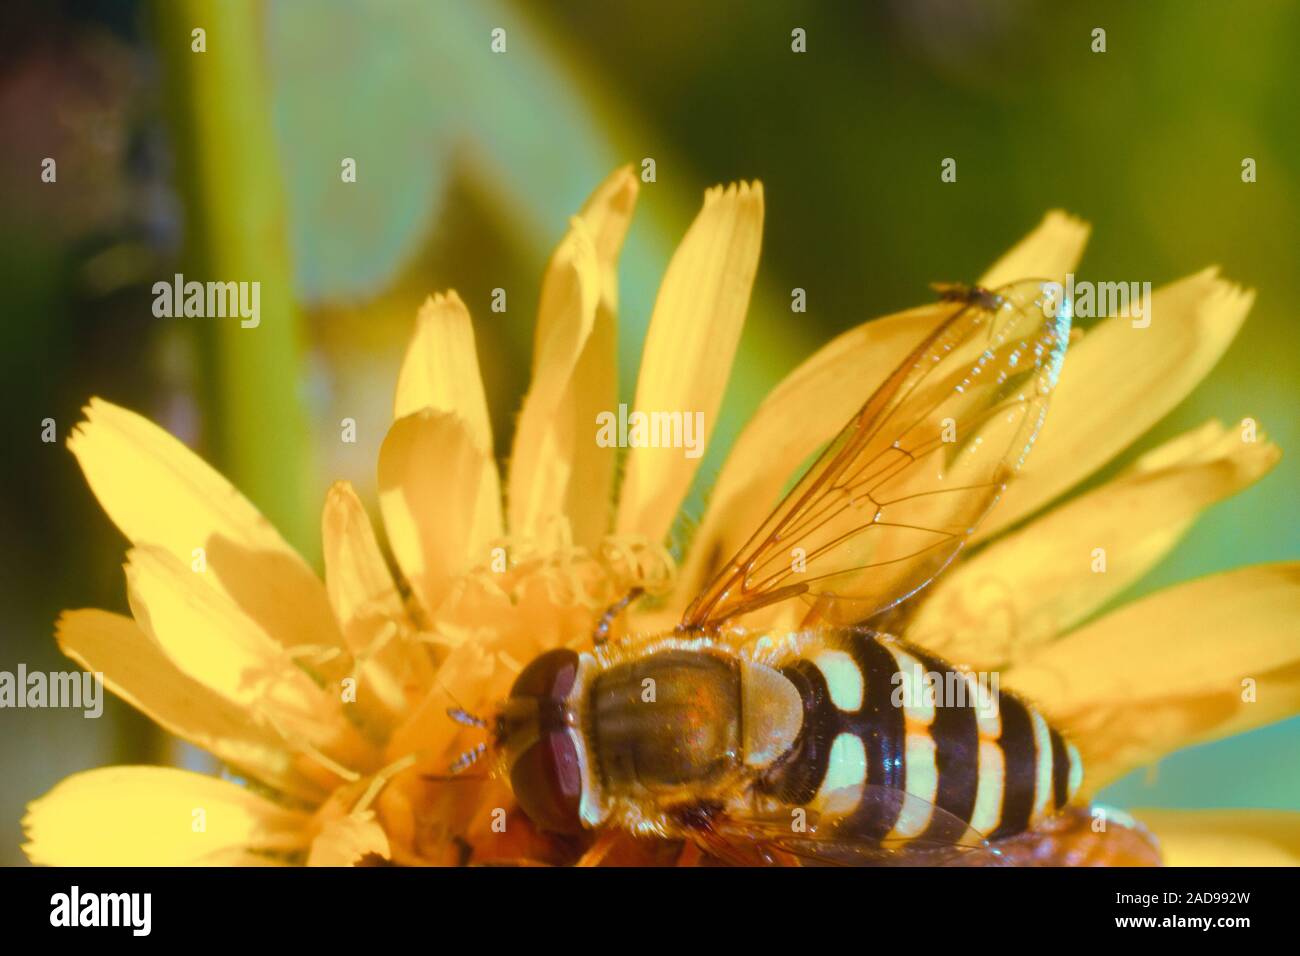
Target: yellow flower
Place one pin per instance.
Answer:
(327, 699)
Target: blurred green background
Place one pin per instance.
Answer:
(469, 164)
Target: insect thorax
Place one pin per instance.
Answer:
(681, 725)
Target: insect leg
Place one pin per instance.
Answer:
(599, 850)
(601, 634)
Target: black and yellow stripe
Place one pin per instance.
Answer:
(1020, 766)
(999, 773)
(956, 736)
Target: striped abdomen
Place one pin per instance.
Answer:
(994, 763)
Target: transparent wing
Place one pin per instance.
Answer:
(897, 493)
(786, 838)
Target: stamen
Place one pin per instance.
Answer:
(380, 781)
(293, 740)
(324, 653)
(636, 561)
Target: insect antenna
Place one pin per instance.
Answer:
(454, 777)
(465, 718)
(459, 708)
(468, 758)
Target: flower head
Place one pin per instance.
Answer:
(327, 699)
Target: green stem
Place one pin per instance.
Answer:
(231, 180)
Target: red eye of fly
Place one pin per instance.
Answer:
(548, 784)
(549, 677)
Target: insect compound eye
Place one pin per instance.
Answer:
(549, 677)
(547, 782)
(546, 777)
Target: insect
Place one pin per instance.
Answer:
(822, 743)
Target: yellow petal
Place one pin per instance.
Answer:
(370, 611)
(1225, 837)
(440, 372)
(440, 515)
(692, 339)
(575, 375)
(462, 680)
(440, 369)
(1189, 446)
(356, 575)
(1049, 252)
(1029, 586)
(210, 640)
(158, 492)
(815, 400)
(541, 465)
(157, 816)
(1187, 665)
(1118, 382)
(137, 670)
(590, 505)
(344, 841)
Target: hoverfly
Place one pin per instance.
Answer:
(762, 747)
